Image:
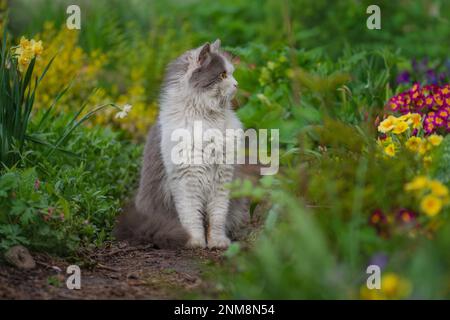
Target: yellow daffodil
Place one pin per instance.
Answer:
(431, 205)
(390, 150)
(37, 47)
(400, 127)
(413, 143)
(387, 124)
(435, 139)
(26, 51)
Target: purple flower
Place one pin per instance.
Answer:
(379, 259)
(403, 77)
(431, 76)
(405, 216)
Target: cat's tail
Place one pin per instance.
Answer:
(158, 228)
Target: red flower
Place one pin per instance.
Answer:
(405, 216)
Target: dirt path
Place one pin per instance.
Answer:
(117, 271)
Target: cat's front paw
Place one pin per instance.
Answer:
(196, 242)
(218, 242)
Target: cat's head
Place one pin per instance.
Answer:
(207, 70)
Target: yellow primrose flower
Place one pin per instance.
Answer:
(413, 143)
(431, 205)
(416, 120)
(395, 287)
(438, 189)
(404, 117)
(390, 150)
(387, 124)
(400, 127)
(435, 139)
(418, 183)
(424, 147)
(392, 287)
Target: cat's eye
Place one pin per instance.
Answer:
(223, 75)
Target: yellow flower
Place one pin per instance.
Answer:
(400, 127)
(24, 60)
(416, 120)
(24, 44)
(26, 51)
(435, 139)
(390, 150)
(392, 287)
(370, 294)
(387, 124)
(418, 183)
(36, 47)
(431, 205)
(438, 189)
(413, 143)
(424, 147)
(395, 287)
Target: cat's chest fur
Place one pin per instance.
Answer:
(207, 129)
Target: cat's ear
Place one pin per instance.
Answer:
(204, 53)
(215, 45)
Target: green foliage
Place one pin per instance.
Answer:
(60, 202)
(441, 167)
(17, 93)
(318, 240)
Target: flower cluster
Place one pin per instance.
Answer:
(432, 102)
(401, 220)
(26, 51)
(433, 194)
(406, 130)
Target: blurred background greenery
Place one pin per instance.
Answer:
(309, 68)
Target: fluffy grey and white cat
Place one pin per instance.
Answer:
(188, 204)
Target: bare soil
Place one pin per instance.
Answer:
(117, 271)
